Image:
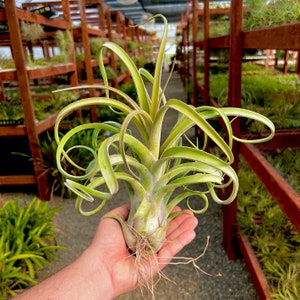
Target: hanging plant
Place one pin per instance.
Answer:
(64, 41)
(31, 31)
(151, 167)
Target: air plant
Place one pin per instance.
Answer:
(151, 167)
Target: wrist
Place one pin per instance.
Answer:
(97, 275)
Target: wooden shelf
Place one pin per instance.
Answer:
(257, 274)
(23, 74)
(20, 179)
(30, 17)
(277, 37)
(20, 130)
(279, 189)
(267, 38)
(284, 37)
(38, 72)
(96, 20)
(8, 75)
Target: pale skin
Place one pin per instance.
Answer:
(105, 269)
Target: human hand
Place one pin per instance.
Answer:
(114, 259)
(106, 269)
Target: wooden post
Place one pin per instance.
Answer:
(67, 16)
(206, 16)
(286, 62)
(298, 63)
(195, 31)
(87, 57)
(234, 99)
(113, 63)
(25, 93)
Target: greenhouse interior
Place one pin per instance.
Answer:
(163, 105)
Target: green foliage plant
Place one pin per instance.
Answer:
(96, 44)
(287, 163)
(27, 243)
(132, 46)
(6, 62)
(129, 89)
(11, 109)
(64, 41)
(274, 239)
(45, 103)
(31, 31)
(110, 73)
(266, 91)
(265, 13)
(151, 167)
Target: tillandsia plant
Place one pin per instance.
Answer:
(151, 167)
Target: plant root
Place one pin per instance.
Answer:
(148, 267)
(181, 260)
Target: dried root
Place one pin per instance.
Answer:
(146, 262)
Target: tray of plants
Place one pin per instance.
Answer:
(12, 122)
(47, 11)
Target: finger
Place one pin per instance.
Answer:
(170, 249)
(109, 225)
(121, 211)
(187, 224)
(178, 239)
(179, 220)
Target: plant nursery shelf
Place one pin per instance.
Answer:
(284, 37)
(38, 72)
(121, 77)
(216, 11)
(283, 138)
(20, 130)
(21, 179)
(13, 16)
(35, 73)
(8, 75)
(27, 16)
(276, 37)
(77, 32)
(266, 38)
(94, 63)
(254, 267)
(96, 20)
(279, 189)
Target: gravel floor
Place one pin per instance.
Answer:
(75, 233)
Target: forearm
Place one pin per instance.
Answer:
(83, 279)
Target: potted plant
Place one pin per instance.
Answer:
(152, 168)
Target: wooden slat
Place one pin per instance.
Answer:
(19, 130)
(41, 72)
(17, 179)
(234, 99)
(8, 75)
(27, 16)
(215, 11)
(259, 280)
(279, 189)
(219, 42)
(283, 138)
(38, 72)
(276, 37)
(2, 15)
(47, 123)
